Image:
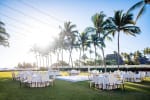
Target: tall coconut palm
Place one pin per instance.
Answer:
(62, 43)
(100, 42)
(103, 45)
(83, 42)
(51, 49)
(96, 43)
(122, 22)
(127, 57)
(98, 22)
(146, 51)
(142, 5)
(35, 49)
(99, 29)
(56, 49)
(3, 35)
(70, 36)
(137, 56)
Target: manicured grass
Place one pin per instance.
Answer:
(62, 90)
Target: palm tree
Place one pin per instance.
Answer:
(99, 29)
(3, 35)
(122, 22)
(50, 53)
(56, 49)
(103, 45)
(142, 5)
(69, 37)
(61, 42)
(34, 49)
(83, 42)
(127, 58)
(137, 56)
(90, 51)
(98, 22)
(96, 43)
(146, 51)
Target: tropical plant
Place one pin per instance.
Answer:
(83, 42)
(100, 31)
(137, 56)
(146, 51)
(3, 35)
(96, 43)
(51, 50)
(121, 22)
(142, 5)
(56, 48)
(127, 58)
(69, 37)
(35, 49)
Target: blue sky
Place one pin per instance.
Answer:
(27, 26)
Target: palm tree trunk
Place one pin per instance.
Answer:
(118, 50)
(71, 58)
(57, 59)
(47, 61)
(50, 58)
(90, 53)
(79, 58)
(36, 60)
(43, 60)
(62, 57)
(104, 61)
(83, 55)
(95, 54)
(39, 60)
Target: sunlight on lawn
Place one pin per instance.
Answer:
(5, 75)
(137, 89)
(139, 85)
(64, 73)
(84, 73)
(147, 78)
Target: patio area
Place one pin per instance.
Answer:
(76, 78)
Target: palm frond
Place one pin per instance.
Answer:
(117, 17)
(132, 30)
(109, 38)
(1, 23)
(4, 41)
(72, 26)
(140, 13)
(5, 34)
(127, 19)
(137, 5)
(2, 30)
(90, 29)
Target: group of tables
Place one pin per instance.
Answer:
(34, 79)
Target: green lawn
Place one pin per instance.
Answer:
(62, 90)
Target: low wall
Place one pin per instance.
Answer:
(109, 68)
